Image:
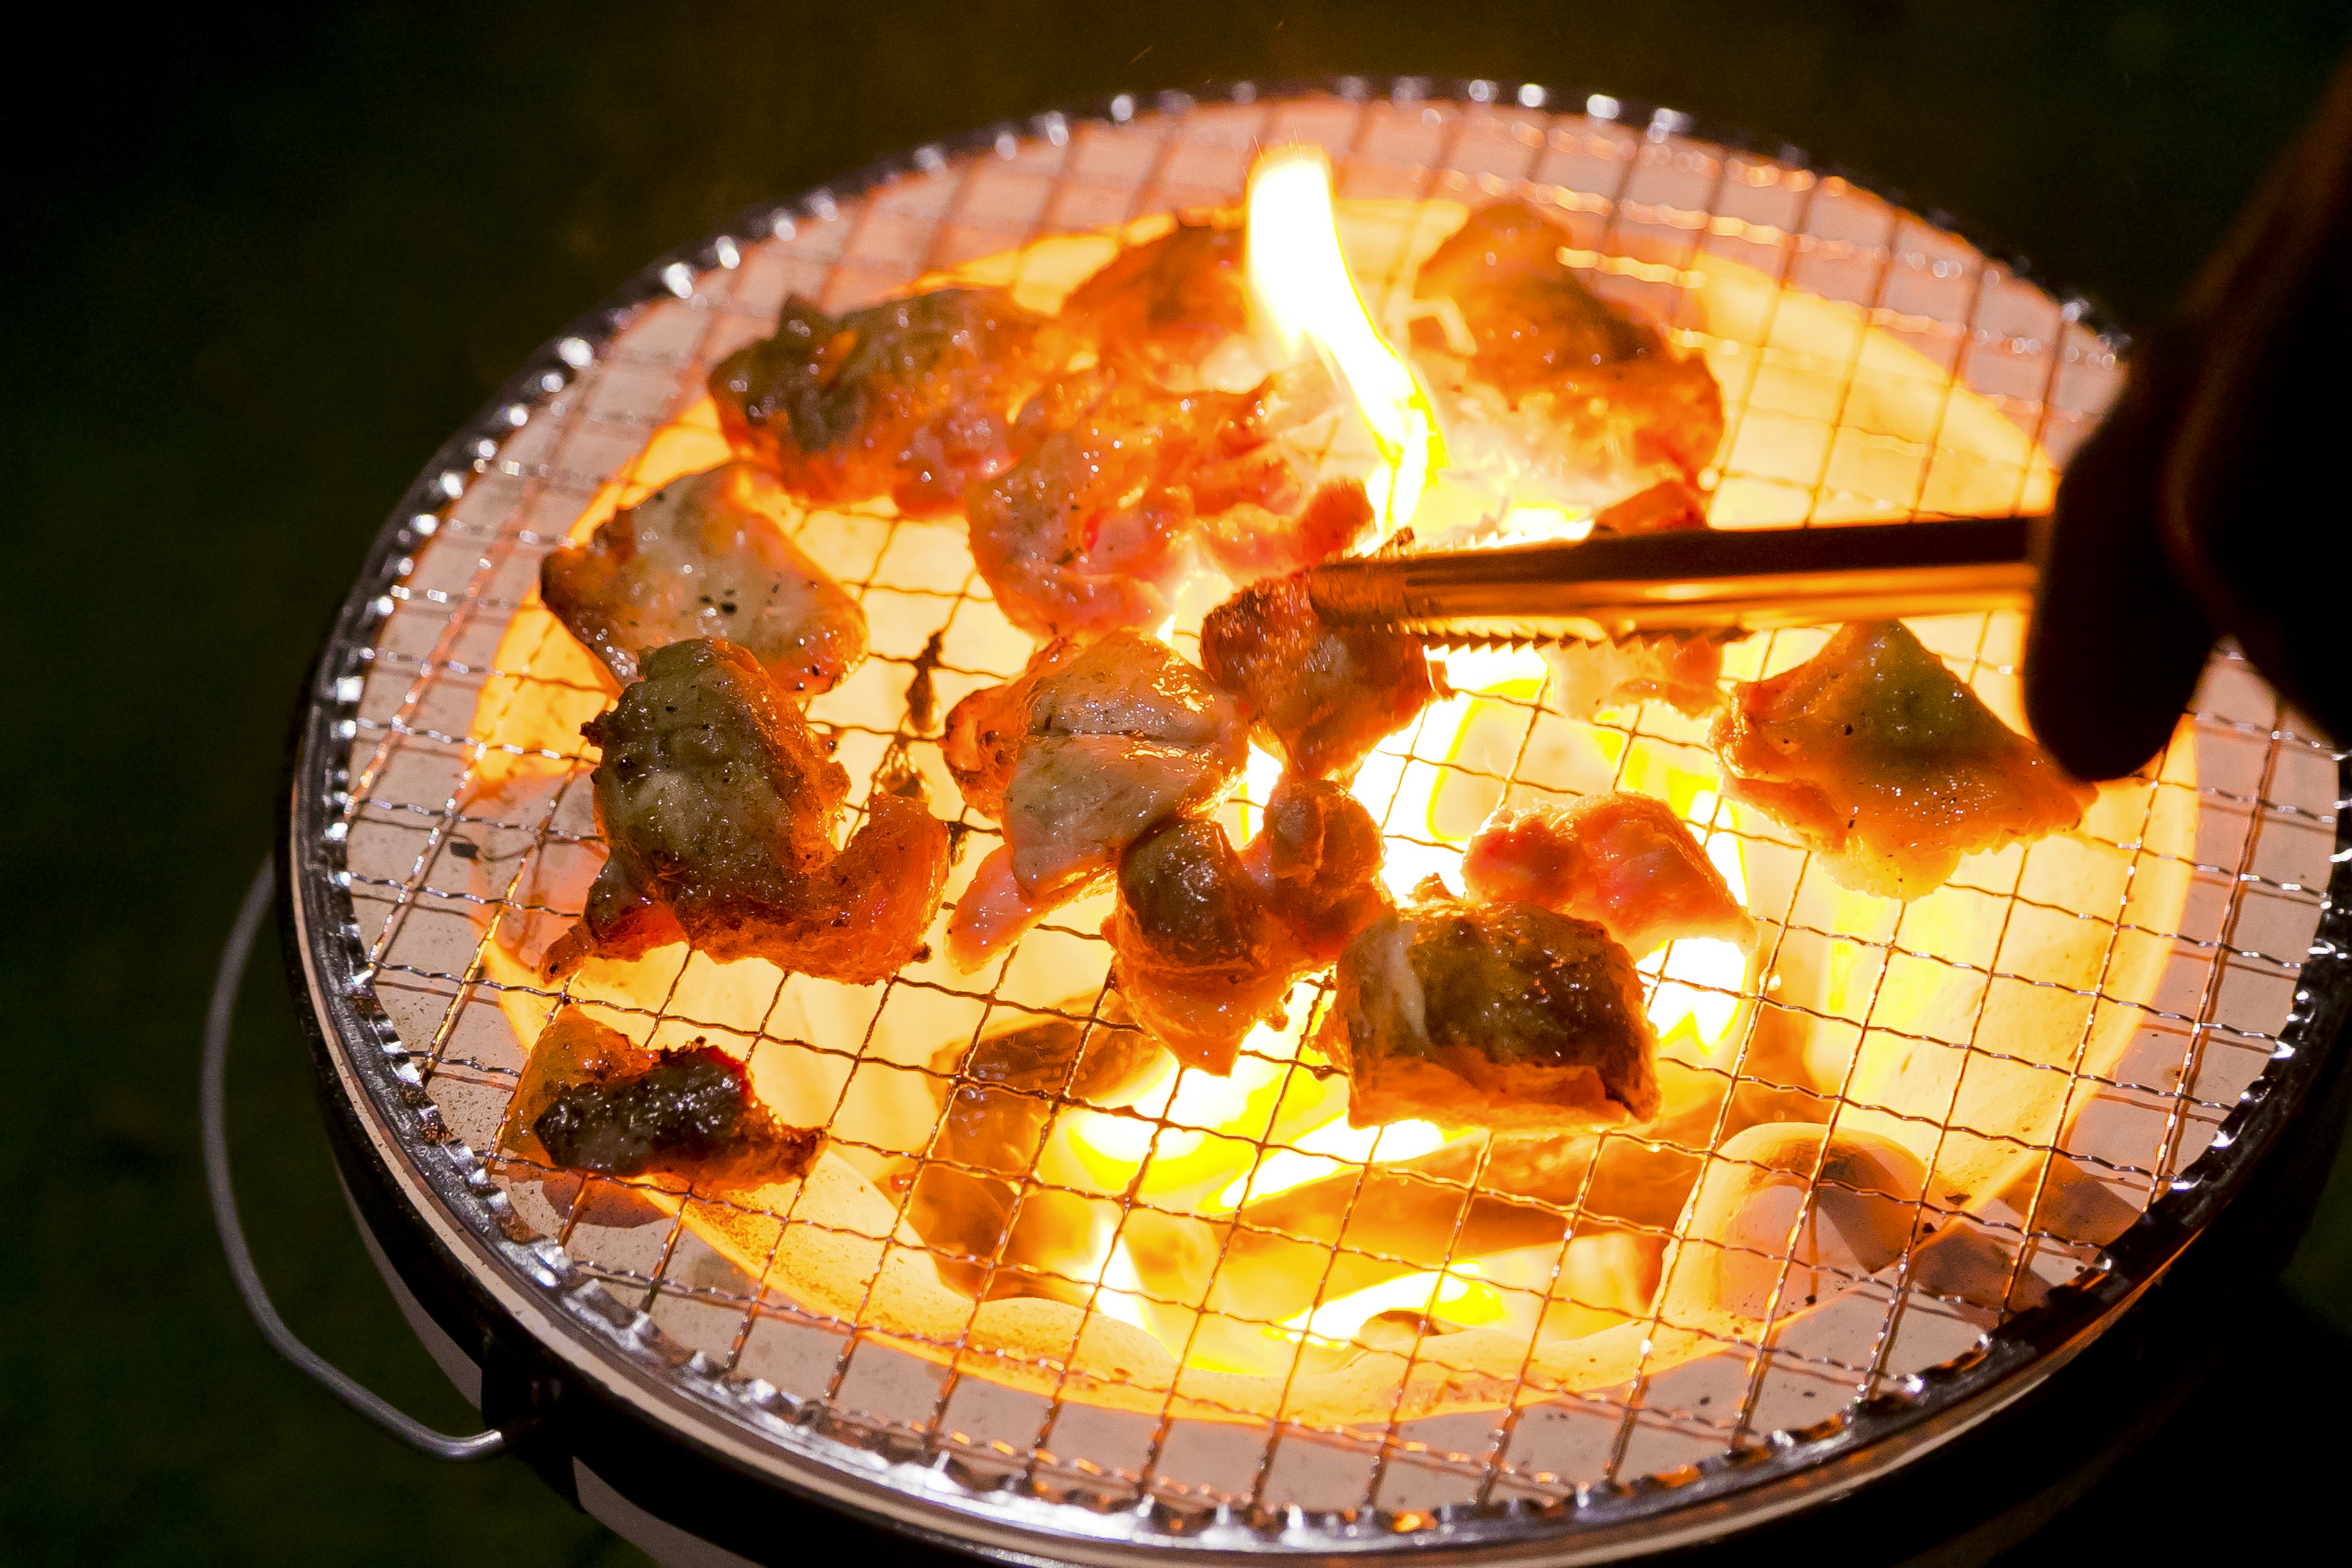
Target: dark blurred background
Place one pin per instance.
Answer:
(261, 268)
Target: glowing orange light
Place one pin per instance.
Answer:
(1299, 275)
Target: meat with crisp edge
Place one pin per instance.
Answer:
(1580, 383)
(911, 398)
(1322, 697)
(1209, 942)
(1119, 480)
(591, 1100)
(707, 555)
(1078, 757)
(1884, 763)
(1505, 1017)
(1624, 860)
(719, 809)
(1167, 304)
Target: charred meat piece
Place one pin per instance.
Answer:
(1625, 861)
(719, 809)
(1112, 739)
(1200, 958)
(1682, 669)
(1209, 942)
(590, 1100)
(1505, 1017)
(1575, 379)
(911, 398)
(1119, 478)
(1882, 762)
(1322, 696)
(1318, 859)
(1167, 304)
(707, 555)
(999, 1097)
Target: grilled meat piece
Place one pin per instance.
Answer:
(1581, 388)
(1119, 480)
(707, 555)
(1318, 858)
(590, 1099)
(1624, 860)
(986, 730)
(1166, 305)
(719, 809)
(1503, 1015)
(1112, 739)
(1209, 942)
(1323, 697)
(1200, 958)
(1684, 669)
(1882, 762)
(911, 398)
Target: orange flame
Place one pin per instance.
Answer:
(1298, 272)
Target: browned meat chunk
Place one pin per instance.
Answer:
(1503, 1015)
(1322, 696)
(1625, 861)
(1576, 379)
(1119, 478)
(1883, 763)
(1106, 741)
(1209, 942)
(590, 1100)
(911, 398)
(718, 810)
(1167, 304)
(1682, 669)
(707, 555)
(1318, 859)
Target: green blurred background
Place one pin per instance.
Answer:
(260, 270)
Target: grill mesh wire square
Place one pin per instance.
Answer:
(447, 841)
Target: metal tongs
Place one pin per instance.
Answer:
(1688, 579)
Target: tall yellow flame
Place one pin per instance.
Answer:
(1300, 276)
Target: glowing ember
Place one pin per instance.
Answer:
(1458, 1295)
(1330, 1150)
(1302, 283)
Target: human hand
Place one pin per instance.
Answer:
(2213, 501)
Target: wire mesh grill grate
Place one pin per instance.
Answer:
(447, 841)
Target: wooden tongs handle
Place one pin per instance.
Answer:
(1689, 580)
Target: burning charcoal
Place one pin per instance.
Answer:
(1624, 860)
(911, 399)
(1503, 1016)
(707, 556)
(1004, 1091)
(1884, 763)
(590, 1100)
(1323, 696)
(720, 810)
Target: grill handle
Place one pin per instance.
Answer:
(213, 1095)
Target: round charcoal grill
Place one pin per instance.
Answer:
(2089, 1043)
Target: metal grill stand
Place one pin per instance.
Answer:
(631, 1335)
